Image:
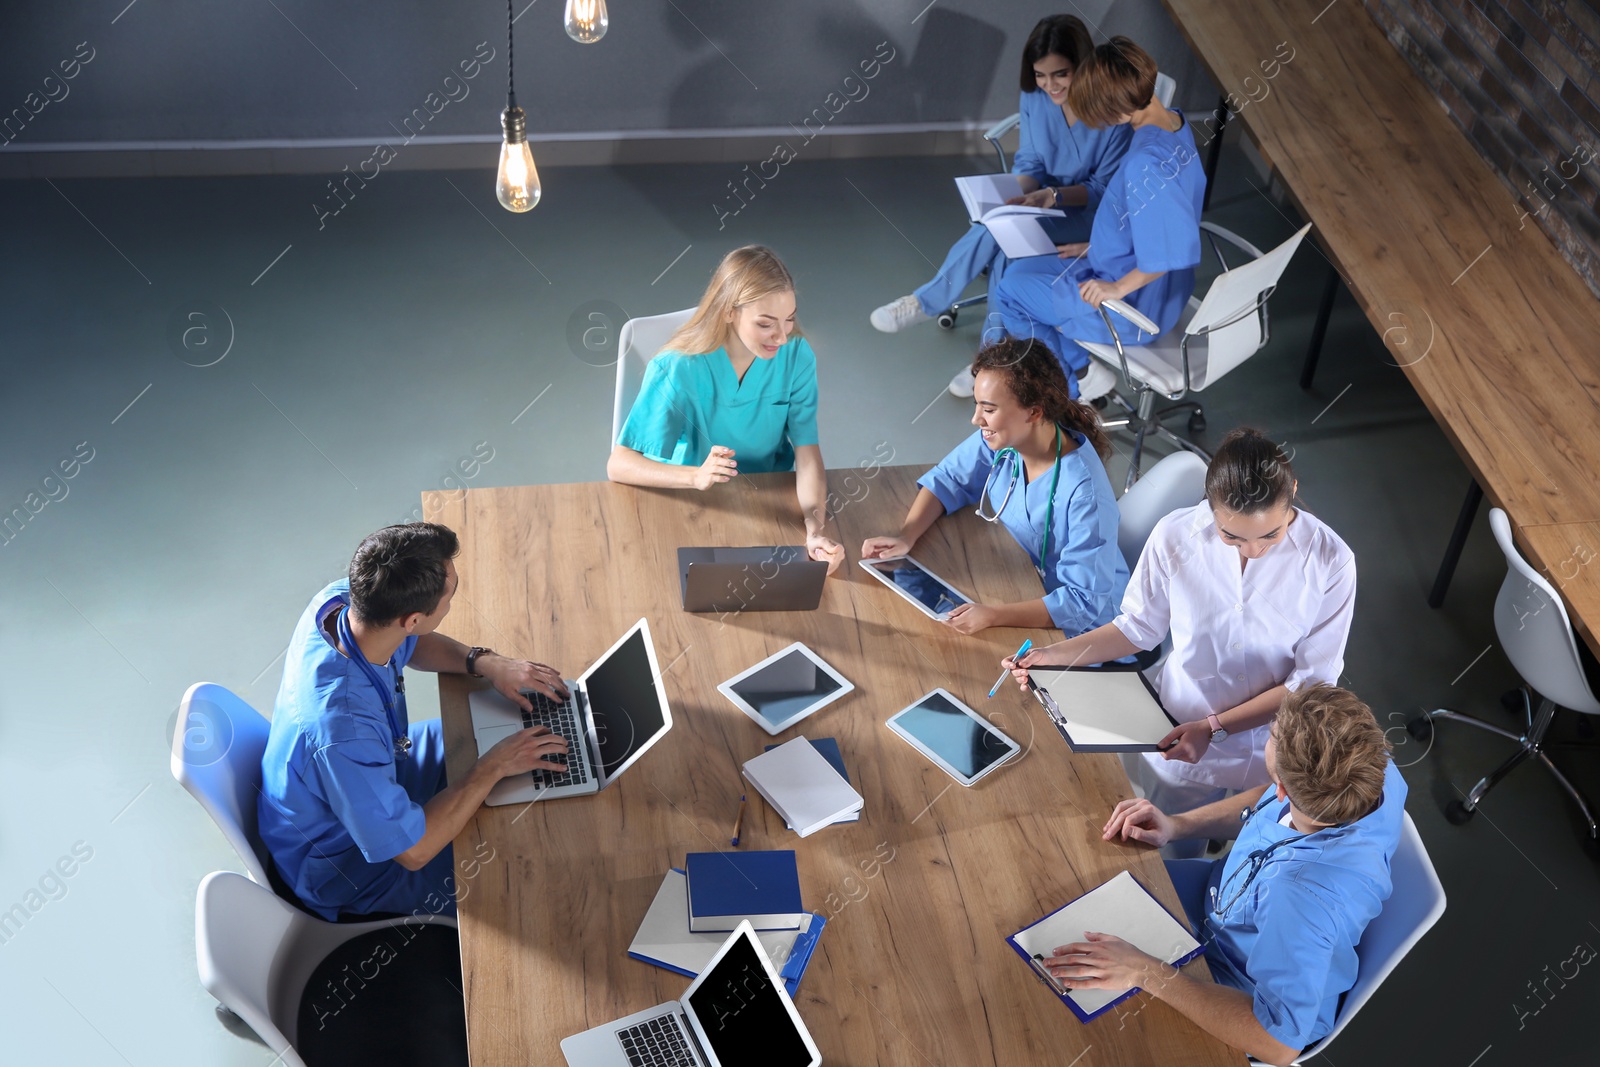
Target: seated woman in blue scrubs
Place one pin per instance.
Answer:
(734, 390)
(1145, 242)
(354, 808)
(1282, 913)
(1035, 464)
(1061, 162)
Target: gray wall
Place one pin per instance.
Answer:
(172, 71)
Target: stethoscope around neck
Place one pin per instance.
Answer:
(1012, 459)
(402, 742)
(1252, 864)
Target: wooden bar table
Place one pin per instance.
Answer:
(913, 968)
(1491, 326)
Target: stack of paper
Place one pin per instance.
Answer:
(1121, 907)
(664, 938)
(829, 747)
(802, 786)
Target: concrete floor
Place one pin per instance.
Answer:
(352, 367)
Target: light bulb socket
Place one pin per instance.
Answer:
(515, 124)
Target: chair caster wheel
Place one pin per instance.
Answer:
(1197, 422)
(1098, 403)
(1420, 728)
(1456, 813)
(947, 320)
(1511, 700)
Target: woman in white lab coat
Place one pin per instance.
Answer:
(1257, 595)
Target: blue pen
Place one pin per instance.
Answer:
(1023, 651)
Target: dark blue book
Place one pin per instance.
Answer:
(829, 747)
(726, 888)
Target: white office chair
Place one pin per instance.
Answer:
(1537, 637)
(216, 756)
(1414, 905)
(1166, 89)
(257, 956)
(1212, 337)
(637, 345)
(1178, 481)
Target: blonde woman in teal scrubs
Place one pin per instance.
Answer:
(734, 390)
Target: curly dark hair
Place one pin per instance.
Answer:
(399, 570)
(1034, 376)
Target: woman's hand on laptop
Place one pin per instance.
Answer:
(511, 676)
(535, 748)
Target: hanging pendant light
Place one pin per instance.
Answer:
(586, 20)
(516, 181)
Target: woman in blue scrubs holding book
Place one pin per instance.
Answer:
(1035, 466)
(734, 391)
(1061, 162)
(1145, 242)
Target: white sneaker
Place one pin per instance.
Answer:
(963, 383)
(1096, 382)
(896, 316)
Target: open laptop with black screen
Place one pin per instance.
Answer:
(736, 1013)
(617, 710)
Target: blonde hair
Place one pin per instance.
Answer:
(1331, 753)
(745, 275)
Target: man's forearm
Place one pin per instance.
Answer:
(440, 654)
(1218, 820)
(1222, 1012)
(447, 814)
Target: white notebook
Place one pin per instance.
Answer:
(1121, 907)
(1103, 711)
(802, 786)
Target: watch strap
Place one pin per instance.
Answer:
(472, 659)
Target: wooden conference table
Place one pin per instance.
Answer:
(1493, 328)
(913, 967)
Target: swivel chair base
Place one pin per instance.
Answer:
(1529, 743)
(1144, 418)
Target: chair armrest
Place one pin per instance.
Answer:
(1003, 127)
(1128, 312)
(1233, 239)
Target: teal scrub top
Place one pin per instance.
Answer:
(690, 402)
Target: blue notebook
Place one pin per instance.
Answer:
(664, 940)
(829, 747)
(727, 888)
(1121, 907)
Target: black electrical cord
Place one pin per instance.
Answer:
(511, 85)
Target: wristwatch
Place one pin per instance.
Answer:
(472, 659)
(1218, 731)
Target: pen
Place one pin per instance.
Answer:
(1023, 651)
(738, 823)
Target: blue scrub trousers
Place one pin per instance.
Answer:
(422, 775)
(977, 251)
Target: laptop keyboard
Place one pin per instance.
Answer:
(657, 1042)
(561, 719)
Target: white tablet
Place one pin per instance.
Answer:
(954, 736)
(929, 593)
(785, 687)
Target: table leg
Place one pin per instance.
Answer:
(1215, 151)
(1458, 539)
(1320, 329)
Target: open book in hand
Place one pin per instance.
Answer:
(1122, 908)
(1102, 711)
(1015, 228)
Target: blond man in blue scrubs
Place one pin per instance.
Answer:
(734, 391)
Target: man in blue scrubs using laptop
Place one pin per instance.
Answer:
(1281, 915)
(354, 808)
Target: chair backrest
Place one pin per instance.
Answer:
(216, 756)
(1166, 89)
(1227, 316)
(1534, 629)
(1414, 905)
(1176, 482)
(240, 930)
(637, 345)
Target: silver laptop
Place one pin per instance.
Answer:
(763, 578)
(735, 1014)
(615, 711)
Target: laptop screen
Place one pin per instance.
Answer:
(624, 702)
(743, 1014)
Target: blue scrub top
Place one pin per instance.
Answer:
(333, 812)
(690, 402)
(1085, 576)
(1150, 219)
(1053, 153)
(1290, 939)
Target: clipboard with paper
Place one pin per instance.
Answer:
(1102, 711)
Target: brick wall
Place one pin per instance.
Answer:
(1522, 79)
